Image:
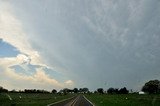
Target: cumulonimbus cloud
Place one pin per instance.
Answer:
(11, 31)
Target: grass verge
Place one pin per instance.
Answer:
(35, 99)
(124, 100)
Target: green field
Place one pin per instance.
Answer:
(124, 100)
(23, 99)
(35, 99)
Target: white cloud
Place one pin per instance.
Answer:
(11, 31)
(37, 80)
(23, 58)
(40, 78)
(70, 82)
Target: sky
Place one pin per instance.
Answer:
(47, 44)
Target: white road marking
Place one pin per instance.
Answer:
(89, 101)
(74, 102)
(9, 96)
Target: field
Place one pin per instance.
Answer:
(124, 100)
(35, 99)
(23, 99)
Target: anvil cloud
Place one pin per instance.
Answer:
(81, 43)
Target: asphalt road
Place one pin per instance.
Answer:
(79, 100)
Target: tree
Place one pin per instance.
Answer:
(13, 91)
(3, 89)
(152, 87)
(85, 90)
(116, 90)
(54, 91)
(123, 91)
(100, 90)
(35, 91)
(66, 91)
(111, 91)
(75, 90)
(95, 92)
(80, 90)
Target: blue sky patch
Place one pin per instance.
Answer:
(7, 50)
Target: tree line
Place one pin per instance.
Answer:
(54, 91)
(67, 90)
(3, 90)
(150, 87)
(113, 91)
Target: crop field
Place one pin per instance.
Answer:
(124, 100)
(33, 99)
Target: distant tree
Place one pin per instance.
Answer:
(152, 87)
(75, 90)
(35, 91)
(70, 91)
(54, 91)
(95, 91)
(66, 91)
(116, 90)
(38, 91)
(100, 90)
(21, 91)
(3, 89)
(111, 91)
(85, 90)
(123, 91)
(80, 90)
(13, 91)
(60, 92)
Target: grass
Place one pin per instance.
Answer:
(23, 99)
(124, 100)
(34, 99)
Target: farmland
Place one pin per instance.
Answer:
(32, 99)
(40, 99)
(124, 100)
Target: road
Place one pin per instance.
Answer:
(79, 100)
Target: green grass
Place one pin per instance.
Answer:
(30, 99)
(124, 100)
(97, 99)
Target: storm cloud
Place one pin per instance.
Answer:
(95, 43)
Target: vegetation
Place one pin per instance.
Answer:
(75, 90)
(111, 97)
(152, 87)
(124, 99)
(35, 91)
(117, 91)
(83, 90)
(3, 89)
(100, 90)
(54, 91)
(30, 99)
